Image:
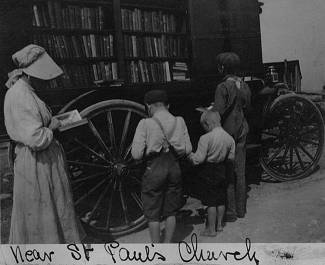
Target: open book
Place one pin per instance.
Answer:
(70, 120)
(203, 109)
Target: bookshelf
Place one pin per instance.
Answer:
(202, 28)
(96, 40)
(155, 39)
(80, 36)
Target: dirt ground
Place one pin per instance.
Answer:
(276, 212)
(292, 212)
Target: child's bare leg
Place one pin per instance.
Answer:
(221, 213)
(210, 229)
(170, 228)
(154, 229)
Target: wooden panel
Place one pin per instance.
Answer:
(205, 17)
(227, 25)
(205, 51)
(15, 16)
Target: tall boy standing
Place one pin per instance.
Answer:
(160, 139)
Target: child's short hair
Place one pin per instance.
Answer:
(155, 96)
(210, 118)
(230, 62)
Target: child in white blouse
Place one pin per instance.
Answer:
(215, 153)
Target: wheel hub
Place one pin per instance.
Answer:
(121, 170)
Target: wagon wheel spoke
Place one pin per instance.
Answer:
(275, 155)
(101, 197)
(127, 151)
(110, 204)
(271, 134)
(99, 139)
(308, 141)
(309, 131)
(87, 164)
(291, 157)
(123, 203)
(135, 178)
(299, 158)
(137, 200)
(306, 152)
(73, 150)
(133, 164)
(90, 191)
(75, 188)
(111, 130)
(78, 180)
(86, 147)
(284, 156)
(125, 131)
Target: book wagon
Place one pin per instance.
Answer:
(113, 51)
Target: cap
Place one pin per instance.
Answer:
(155, 96)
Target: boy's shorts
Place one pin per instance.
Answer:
(161, 187)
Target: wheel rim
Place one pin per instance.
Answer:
(292, 140)
(106, 182)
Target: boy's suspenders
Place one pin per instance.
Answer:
(171, 132)
(167, 137)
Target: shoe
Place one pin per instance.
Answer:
(230, 218)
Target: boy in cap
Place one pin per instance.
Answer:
(232, 98)
(215, 153)
(160, 139)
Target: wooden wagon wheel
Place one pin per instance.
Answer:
(106, 182)
(292, 138)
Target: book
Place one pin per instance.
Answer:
(70, 120)
(36, 16)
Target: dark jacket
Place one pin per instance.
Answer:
(230, 89)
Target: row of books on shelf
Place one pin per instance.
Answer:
(152, 21)
(164, 46)
(76, 46)
(143, 72)
(85, 75)
(53, 15)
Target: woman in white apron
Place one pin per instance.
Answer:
(43, 209)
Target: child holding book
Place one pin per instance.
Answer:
(215, 154)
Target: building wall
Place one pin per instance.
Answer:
(295, 29)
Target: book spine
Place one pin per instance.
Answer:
(114, 71)
(93, 45)
(36, 16)
(51, 14)
(111, 45)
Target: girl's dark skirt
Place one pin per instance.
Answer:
(212, 184)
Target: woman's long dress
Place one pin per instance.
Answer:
(43, 209)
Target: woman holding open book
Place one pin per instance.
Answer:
(43, 209)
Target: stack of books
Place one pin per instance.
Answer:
(180, 71)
